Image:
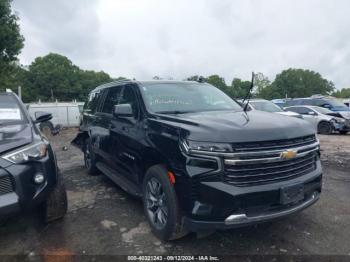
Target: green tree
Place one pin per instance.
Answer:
(239, 88)
(11, 43)
(88, 80)
(343, 93)
(55, 77)
(297, 83)
(261, 83)
(217, 81)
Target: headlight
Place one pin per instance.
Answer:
(31, 152)
(193, 146)
(338, 120)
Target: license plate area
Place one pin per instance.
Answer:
(291, 194)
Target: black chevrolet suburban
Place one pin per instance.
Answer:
(197, 159)
(28, 172)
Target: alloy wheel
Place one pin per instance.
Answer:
(156, 203)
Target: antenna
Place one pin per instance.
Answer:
(257, 76)
(247, 97)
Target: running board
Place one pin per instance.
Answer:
(126, 185)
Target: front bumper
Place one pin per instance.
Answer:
(222, 206)
(341, 126)
(24, 193)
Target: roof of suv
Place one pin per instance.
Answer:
(127, 81)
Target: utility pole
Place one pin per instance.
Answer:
(20, 92)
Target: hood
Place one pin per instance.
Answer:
(13, 136)
(236, 127)
(341, 114)
(289, 113)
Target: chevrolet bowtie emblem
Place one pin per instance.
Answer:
(289, 154)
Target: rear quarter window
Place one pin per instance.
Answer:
(93, 101)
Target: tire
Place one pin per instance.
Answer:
(46, 128)
(343, 132)
(161, 205)
(324, 128)
(90, 159)
(55, 206)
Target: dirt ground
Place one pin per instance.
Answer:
(102, 219)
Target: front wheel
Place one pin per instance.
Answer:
(161, 205)
(324, 128)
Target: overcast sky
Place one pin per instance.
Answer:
(180, 38)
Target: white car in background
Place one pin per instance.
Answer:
(324, 120)
(268, 106)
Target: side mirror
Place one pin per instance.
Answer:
(311, 113)
(123, 110)
(42, 117)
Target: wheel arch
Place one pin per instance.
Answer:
(323, 121)
(79, 140)
(152, 157)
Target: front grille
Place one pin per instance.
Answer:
(6, 185)
(274, 145)
(262, 173)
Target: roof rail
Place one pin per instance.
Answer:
(113, 83)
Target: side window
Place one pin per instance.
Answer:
(112, 98)
(129, 97)
(92, 103)
(293, 109)
(304, 110)
(305, 102)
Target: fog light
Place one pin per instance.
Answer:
(39, 178)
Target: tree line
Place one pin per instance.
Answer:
(54, 76)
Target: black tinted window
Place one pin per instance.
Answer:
(128, 96)
(112, 98)
(93, 100)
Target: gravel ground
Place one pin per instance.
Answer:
(102, 219)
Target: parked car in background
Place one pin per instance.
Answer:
(64, 114)
(29, 176)
(195, 158)
(346, 102)
(330, 103)
(324, 120)
(280, 102)
(268, 106)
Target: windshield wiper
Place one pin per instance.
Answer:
(173, 112)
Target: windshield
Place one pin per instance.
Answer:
(174, 98)
(337, 105)
(10, 112)
(266, 106)
(322, 110)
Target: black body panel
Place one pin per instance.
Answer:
(207, 189)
